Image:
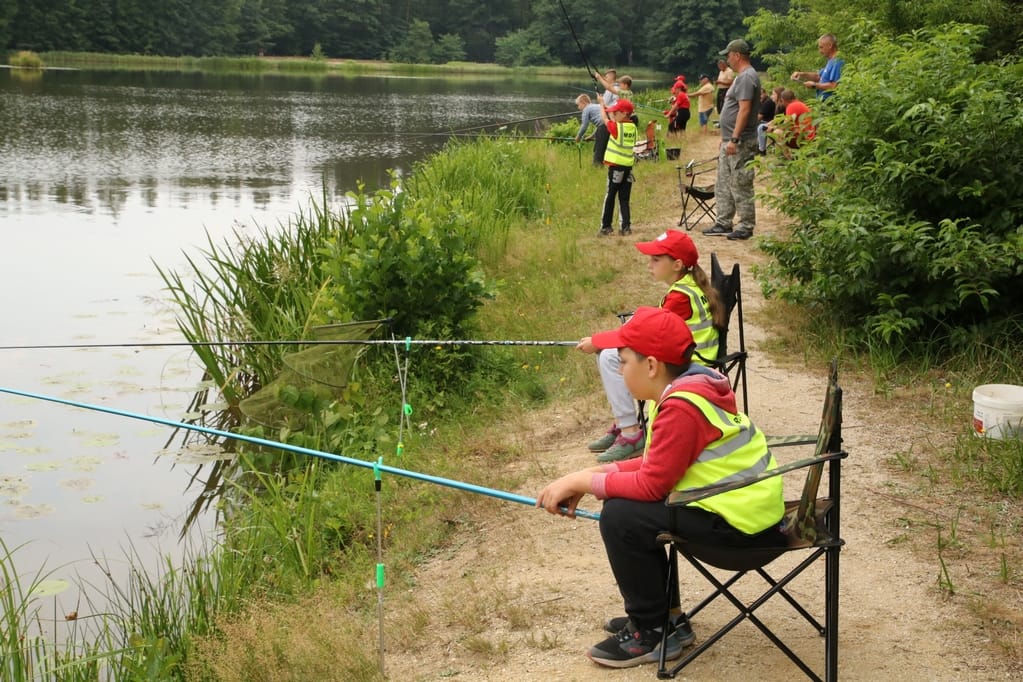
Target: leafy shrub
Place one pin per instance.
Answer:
(907, 209)
(26, 59)
(521, 48)
(449, 48)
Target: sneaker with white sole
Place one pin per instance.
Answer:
(605, 441)
(681, 631)
(624, 447)
(631, 646)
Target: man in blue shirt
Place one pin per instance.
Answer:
(826, 80)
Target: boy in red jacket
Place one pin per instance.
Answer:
(697, 437)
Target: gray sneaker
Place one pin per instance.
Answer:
(605, 441)
(717, 231)
(624, 447)
(740, 234)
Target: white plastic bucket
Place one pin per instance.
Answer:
(998, 411)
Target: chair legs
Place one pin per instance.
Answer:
(829, 630)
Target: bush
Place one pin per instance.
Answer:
(26, 59)
(907, 209)
(521, 48)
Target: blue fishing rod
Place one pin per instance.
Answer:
(375, 466)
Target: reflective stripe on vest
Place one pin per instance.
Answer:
(619, 149)
(700, 322)
(740, 451)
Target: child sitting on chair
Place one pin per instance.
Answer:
(673, 260)
(697, 438)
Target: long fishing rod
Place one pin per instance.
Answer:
(376, 466)
(298, 342)
(508, 123)
(582, 53)
(634, 102)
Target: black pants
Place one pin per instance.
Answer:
(640, 563)
(619, 186)
(721, 99)
(600, 138)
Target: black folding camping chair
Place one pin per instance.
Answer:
(810, 525)
(697, 199)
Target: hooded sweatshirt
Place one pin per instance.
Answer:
(678, 435)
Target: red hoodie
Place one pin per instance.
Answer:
(678, 435)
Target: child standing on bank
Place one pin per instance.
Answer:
(619, 159)
(673, 260)
(697, 438)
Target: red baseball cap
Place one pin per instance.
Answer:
(621, 105)
(654, 332)
(672, 243)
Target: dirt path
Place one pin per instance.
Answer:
(525, 593)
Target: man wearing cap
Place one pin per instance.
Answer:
(705, 103)
(697, 437)
(733, 192)
(619, 159)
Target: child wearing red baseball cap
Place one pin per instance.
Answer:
(697, 437)
(673, 260)
(619, 159)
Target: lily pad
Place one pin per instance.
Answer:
(43, 466)
(85, 463)
(77, 483)
(49, 588)
(30, 511)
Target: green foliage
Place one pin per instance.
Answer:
(521, 48)
(26, 59)
(417, 45)
(448, 48)
(317, 53)
(907, 208)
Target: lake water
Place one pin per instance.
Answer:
(104, 173)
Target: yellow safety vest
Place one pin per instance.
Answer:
(619, 149)
(700, 323)
(740, 451)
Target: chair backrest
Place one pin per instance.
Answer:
(803, 524)
(651, 135)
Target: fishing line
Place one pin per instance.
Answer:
(437, 480)
(298, 342)
(507, 123)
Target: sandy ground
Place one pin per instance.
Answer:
(524, 594)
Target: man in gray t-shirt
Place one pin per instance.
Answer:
(733, 191)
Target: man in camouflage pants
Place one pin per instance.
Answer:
(733, 192)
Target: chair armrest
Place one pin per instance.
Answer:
(681, 498)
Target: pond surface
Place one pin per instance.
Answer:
(103, 174)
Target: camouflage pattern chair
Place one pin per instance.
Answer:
(810, 524)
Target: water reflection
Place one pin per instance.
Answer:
(89, 140)
(103, 174)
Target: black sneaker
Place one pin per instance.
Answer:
(626, 230)
(631, 647)
(741, 233)
(717, 231)
(681, 631)
(605, 232)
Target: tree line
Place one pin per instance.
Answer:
(672, 35)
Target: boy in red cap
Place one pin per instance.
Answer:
(619, 159)
(679, 110)
(673, 260)
(697, 437)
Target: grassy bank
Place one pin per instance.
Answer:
(312, 66)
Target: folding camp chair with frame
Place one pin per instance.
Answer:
(809, 524)
(646, 148)
(697, 200)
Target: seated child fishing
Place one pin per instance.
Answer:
(673, 260)
(697, 437)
